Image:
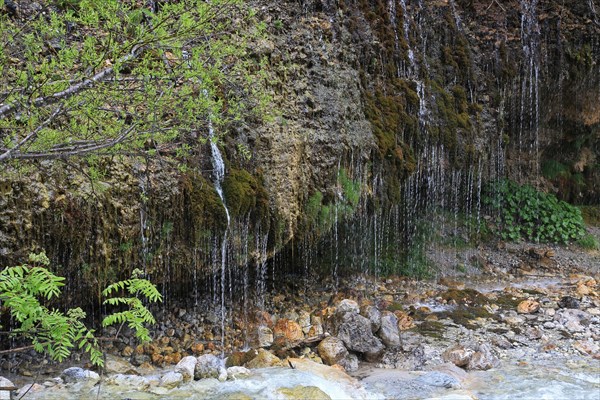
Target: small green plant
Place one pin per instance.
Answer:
(25, 288)
(136, 314)
(589, 242)
(524, 213)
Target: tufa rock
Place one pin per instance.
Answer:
(458, 355)
(347, 306)
(568, 302)
(264, 359)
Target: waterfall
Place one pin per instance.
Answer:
(219, 175)
(530, 97)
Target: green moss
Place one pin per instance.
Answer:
(244, 194)
(464, 315)
(465, 296)
(203, 204)
(350, 187)
(432, 329)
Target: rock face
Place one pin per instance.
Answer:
(353, 95)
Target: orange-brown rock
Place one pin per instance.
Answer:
(197, 348)
(405, 321)
(528, 306)
(263, 318)
(288, 329)
(173, 358)
(583, 289)
(157, 358)
(127, 351)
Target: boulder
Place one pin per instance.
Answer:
(265, 336)
(131, 381)
(209, 366)
(289, 330)
(234, 373)
(355, 332)
(458, 355)
(76, 374)
(332, 350)
(389, 332)
(347, 306)
(171, 380)
(439, 379)
(304, 321)
(529, 306)
(349, 363)
(373, 314)
(264, 359)
(568, 302)
(572, 319)
(28, 389)
(187, 367)
(483, 359)
(303, 392)
(118, 365)
(5, 383)
(405, 321)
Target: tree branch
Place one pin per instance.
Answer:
(8, 109)
(65, 152)
(9, 153)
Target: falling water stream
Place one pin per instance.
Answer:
(219, 175)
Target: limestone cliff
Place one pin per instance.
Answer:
(369, 94)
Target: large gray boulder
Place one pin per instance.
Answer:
(347, 306)
(209, 366)
(187, 367)
(76, 374)
(389, 332)
(171, 380)
(373, 314)
(355, 331)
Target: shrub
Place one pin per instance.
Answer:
(589, 242)
(24, 290)
(524, 213)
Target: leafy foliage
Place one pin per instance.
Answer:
(24, 289)
(589, 242)
(136, 314)
(50, 331)
(526, 213)
(125, 77)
